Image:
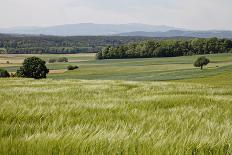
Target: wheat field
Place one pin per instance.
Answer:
(115, 117)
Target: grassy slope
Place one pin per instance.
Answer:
(115, 117)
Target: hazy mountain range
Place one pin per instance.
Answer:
(133, 29)
(181, 33)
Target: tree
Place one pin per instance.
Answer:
(52, 60)
(201, 61)
(4, 73)
(33, 67)
(70, 67)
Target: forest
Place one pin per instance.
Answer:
(31, 44)
(166, 48)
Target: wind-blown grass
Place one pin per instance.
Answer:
(115, 117)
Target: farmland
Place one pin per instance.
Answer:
(149, 69)
(134, 106)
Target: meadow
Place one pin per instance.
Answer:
(119, 107)
(147, 69)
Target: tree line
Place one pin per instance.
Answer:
(26, 44)
(166, 48)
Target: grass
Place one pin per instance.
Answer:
(115, 117)
(188, 112)
(17, 59)
(149, 69)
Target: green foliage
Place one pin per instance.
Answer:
(60, 45)
(33, 67)
(62, 59)
(52, 60)
(4, 73)
(201, 61)
(70, 67)
(3, 51)
(166, 48)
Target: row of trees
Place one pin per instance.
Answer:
(166, 48)
(40, 50)
(61, 59)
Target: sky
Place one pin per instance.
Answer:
(190, 14)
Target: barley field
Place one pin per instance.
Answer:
(115, 117)
(135, 106)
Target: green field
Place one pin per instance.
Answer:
(149, 69)
(135, 106)
(115, 117)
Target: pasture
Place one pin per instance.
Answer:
(147, 69)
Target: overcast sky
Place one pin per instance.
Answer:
(192, 14)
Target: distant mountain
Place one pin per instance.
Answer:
(179, 33)
(133, 29)
(87, 29)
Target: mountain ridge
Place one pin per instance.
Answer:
(179, 33)
(130, 29)
(87, 29)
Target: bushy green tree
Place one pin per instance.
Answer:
(70, 67)
(4, 73)
(33, 67)
(201, 61)
(52, 60)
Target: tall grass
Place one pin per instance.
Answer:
(114, 117)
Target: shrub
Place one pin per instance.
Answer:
(33, 67)
(13, 75)
(8, 62)
(4, 73)
(52, 60)
(230, 50)
(201, 61)
(62, 59)
(70, 67)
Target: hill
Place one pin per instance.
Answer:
(86, 29)
(179, 33)
(132, 29)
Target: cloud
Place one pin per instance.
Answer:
(193, 14)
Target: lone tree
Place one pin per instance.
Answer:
(33, 67)
(201, 61)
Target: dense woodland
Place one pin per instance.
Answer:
(24, 44)
(166, 48)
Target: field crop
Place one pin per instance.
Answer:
(119, 108)
(115, 117)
